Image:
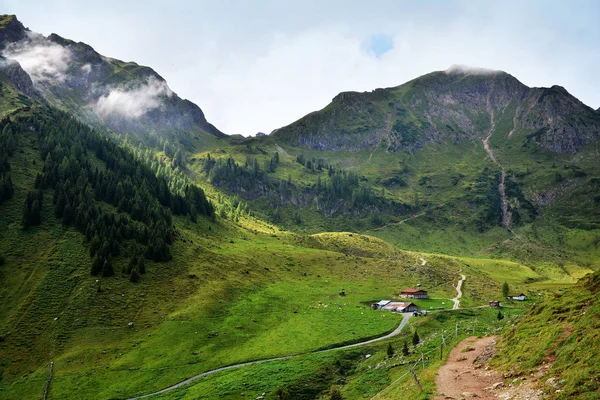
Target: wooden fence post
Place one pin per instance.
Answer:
(416, 379)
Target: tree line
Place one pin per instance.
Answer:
(251, 180)
(7, 149)
(86, 170)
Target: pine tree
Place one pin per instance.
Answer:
(107, 269)
(133, 262)
(505, 289)
(141, 266)
(97, 265)
(32, 209)
(390, 351)
(500, 316)
(405, 351)
(415, 338)
(134, 277)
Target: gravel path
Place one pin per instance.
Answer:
(395, 332)
(456, 300)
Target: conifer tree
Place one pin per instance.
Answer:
(405, 351)
(415, 338)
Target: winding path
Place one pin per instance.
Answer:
(456, 300)
(395, 332)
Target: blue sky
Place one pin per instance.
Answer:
(379, 44)
(258, 65)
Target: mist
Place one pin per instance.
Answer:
(467, 69)
(132, 102)
(42, 59)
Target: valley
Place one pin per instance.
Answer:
(146, 254)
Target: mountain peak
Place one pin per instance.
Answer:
(455, 104)
(125, 96)
(11, 30)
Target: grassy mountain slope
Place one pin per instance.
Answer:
(424, 178)
(452, 104)
(558, 342)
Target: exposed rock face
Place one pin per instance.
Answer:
(451, 104)
(19, 78)
(11, 30)
(562, 123)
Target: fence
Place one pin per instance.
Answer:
(448, 341)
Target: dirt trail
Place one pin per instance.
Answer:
(281, 150)
(466, 375)
(463, 377)
(506, 217)
(419, 214)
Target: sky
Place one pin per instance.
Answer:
(254, 66)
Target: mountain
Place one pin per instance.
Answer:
(455, 104)
(140, 247)
(125, 97)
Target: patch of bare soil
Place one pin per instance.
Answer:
(466, 375)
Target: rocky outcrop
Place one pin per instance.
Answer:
(18, 78)
(11, 30)
(559, 122)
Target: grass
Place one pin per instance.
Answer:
(561, 333)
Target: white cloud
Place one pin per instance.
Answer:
(467, 69)
(256, 66)
(132, 102)
(42, 59)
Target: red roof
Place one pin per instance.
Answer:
(413, 291)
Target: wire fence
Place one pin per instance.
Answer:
(449, 339)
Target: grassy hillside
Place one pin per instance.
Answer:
(557, 341)
(442, 199)
(231, 292)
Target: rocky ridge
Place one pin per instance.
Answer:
(126, 97)
(444, 105)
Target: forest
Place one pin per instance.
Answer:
(121, 205)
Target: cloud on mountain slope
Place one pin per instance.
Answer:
(467, 69)
(132, 102)
(42, 59)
